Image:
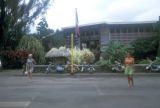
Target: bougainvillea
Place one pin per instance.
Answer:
(13, 59)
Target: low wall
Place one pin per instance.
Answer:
(140, 67)
(137, 67)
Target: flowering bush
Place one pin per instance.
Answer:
(13, 59)
(82, 56)
(87, 56)
(77, 56)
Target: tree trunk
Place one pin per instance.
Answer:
(158, 48)
(2, 23)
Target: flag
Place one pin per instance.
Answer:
(77, 31)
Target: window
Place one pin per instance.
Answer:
(141, 29)
(82, 34)
(97, 32)
(117, 30)
(112, 30)
(148, 29)
(124, 30)
(130, 30)
(135, 29)
(87, 33)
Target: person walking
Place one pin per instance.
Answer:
(129, 62)
(30, 66)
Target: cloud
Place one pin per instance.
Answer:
(149, 15)
(129, 10)
(62, 12)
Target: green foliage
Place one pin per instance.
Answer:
(115, 51)
(157, 60)
(145, 47)
(104, 64)
(157, 33)
(50, 38)
(42, 28)
(144, 61)
(16, 16)
(34, 46)
(58, 39)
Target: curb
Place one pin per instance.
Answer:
(81, 75)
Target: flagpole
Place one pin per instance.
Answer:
(77, 33)
(72, 55)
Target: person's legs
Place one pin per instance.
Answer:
(30, 75)
(129, 81)
(131, 78)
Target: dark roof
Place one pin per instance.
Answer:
(86, 27)
(135, 24)
(111, 24)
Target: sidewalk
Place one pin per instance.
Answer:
(16, 72)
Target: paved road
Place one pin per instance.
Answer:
(79, 92)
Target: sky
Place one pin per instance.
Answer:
(62, 12)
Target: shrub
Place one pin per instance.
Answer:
(77, 56)
(145, 47)
(115, 51)
(87, 56)
(13, 59)
(104, 64)
(157, 60)
(83, 56)
(144, 61)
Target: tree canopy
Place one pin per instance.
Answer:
(145, 47)
(157, 31)
(16, 16)
(42, 29)
(34, 46)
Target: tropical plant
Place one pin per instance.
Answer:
(116, 51)
(34, 46)
(104, 64)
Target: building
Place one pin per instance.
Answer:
(96, 36)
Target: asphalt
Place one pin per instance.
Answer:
(17, 91)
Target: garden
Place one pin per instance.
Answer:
(143, 50)
(46, 45)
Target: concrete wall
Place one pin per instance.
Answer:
(138, 68)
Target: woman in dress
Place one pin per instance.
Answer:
(30, 65)
(129, 62)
